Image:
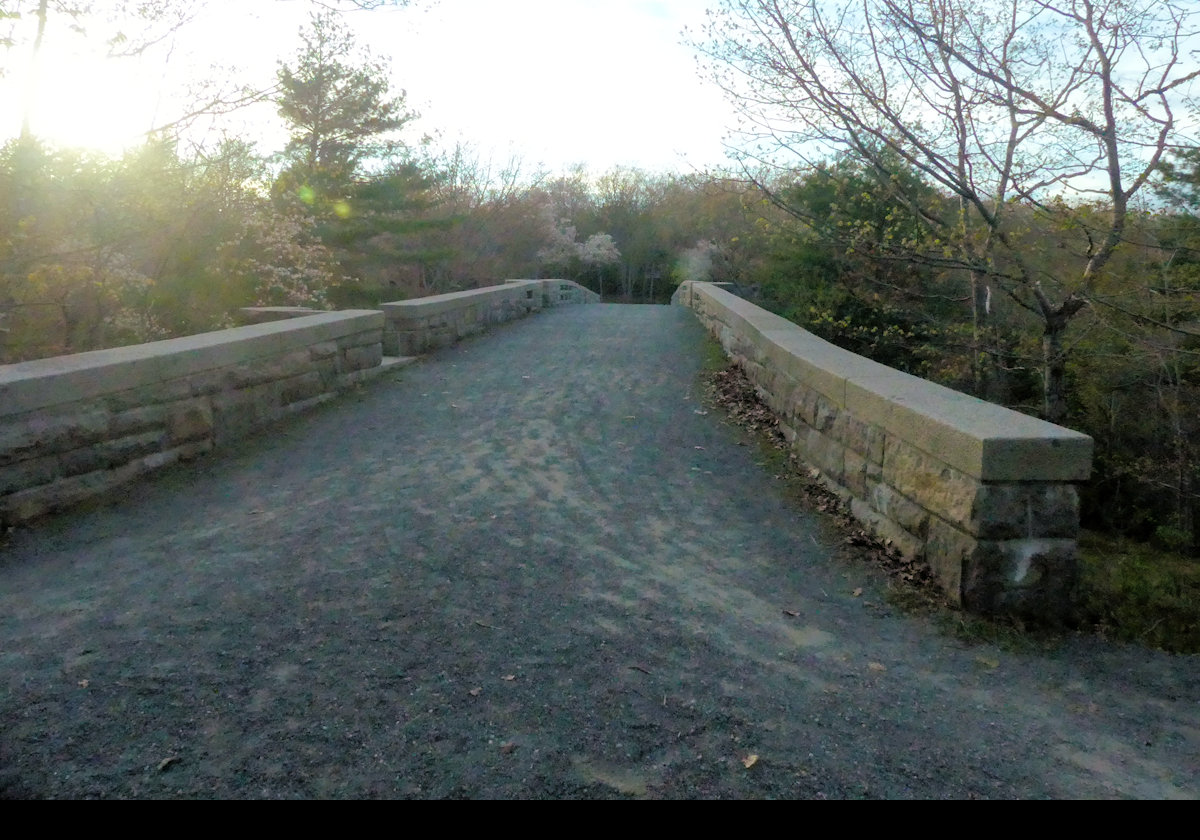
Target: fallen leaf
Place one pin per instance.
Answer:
(858, 592)
(792, 613)
(875, 666)
(474, 692)
(167, 762)
(749, 761)
(509, 677)
(508, 747)
(697, 447)
(987, 663)
(84, 683)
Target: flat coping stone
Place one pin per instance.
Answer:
(984, 440)
(42, 383)
(403, 310)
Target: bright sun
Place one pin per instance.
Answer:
(81, 99)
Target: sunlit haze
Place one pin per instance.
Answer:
(555, 82)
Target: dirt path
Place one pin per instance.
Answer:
(530, 566)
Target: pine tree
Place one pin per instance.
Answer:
(337, 100)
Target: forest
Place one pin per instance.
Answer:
(1005, 201)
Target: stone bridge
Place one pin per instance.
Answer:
(533, 564)
(985, 495)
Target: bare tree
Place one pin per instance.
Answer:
(1012, 109)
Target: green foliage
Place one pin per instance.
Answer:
(96, 253)
(337, 103)
(1138, 593)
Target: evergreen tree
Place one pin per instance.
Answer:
(337, 100)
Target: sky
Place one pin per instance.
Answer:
(554, 82)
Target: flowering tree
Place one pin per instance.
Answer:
(597, 252)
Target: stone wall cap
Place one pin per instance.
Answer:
(981, 439)
(41, 383)
(449, 301)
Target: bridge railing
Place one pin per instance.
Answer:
(76, 427)
(423, 324)
(985, 495)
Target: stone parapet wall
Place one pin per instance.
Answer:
(74, 427)
(424, 324)
(986, 496)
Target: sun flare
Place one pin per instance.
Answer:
(78, 98)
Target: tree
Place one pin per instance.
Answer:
(1020, 113)
(336, 98)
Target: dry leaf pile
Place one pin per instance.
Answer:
(732, 391)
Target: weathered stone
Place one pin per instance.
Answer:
(272, 370)
(237, 412)
(323, 350)
(141, 419)
(358, 358)
(38, 433)
(109, 454)
(1033, 578)
(859, 474)
(190, 421)
(890, 533)
(947, 550)
(301, 387)
(100, 419)
(895, 507)
(826, 415)
(28, 473)
(1025, 511)
(929, 482)
(824, 453)
(147, 395)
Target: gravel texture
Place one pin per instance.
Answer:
(535, 565)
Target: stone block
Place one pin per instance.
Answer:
(299, 388)
(886, 531)
(141, 419)
(1030, 578)
(37, 433)
(826, 416)
(929, 482)
(947, 550)
(864, 438)
(189, 421)
(359, 339)
(208, 383)
(31, 472)
(893, 505)
(822, 452)
(1025, 511)
(184, 452)
(806, 405)
(236, 413)
(859, 474)
(109, 454)
(267, 370)
(323, 350)
(155, 393)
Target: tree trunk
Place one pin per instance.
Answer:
(34, 72)
(980, 305)
(1054, 357)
